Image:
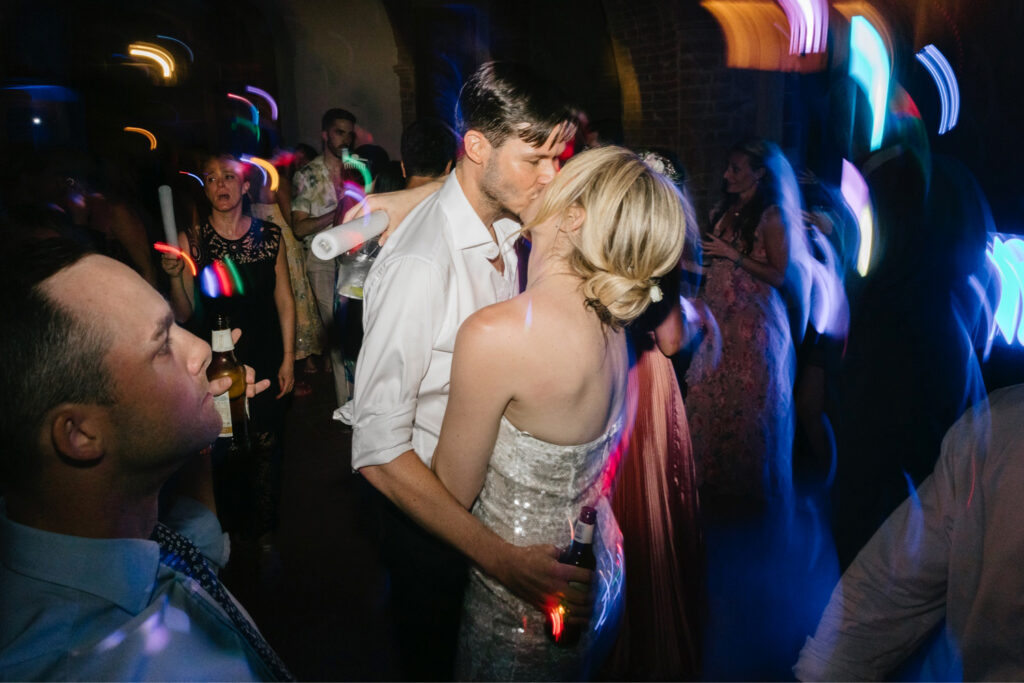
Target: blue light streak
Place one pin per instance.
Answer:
(945, 80)
(198, 179)
(870, 69)
(191, 57)
(1005, 254)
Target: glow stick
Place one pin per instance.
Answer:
(167, 212)
(348, 236)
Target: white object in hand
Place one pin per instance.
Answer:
(347, 236)
(167, 211)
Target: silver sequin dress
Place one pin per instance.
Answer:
(532, 494)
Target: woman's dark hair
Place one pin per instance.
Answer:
(374, 156)
(428, 147)
(762, 155)
(389, 179)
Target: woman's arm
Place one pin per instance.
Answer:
(480, 390)
(669, 332)
(285, 304)
(181, 280)
(776, 246)
(284, 198)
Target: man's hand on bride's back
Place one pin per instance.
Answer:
(534, 574)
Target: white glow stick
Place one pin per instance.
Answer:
(347, 236)
(167, 211)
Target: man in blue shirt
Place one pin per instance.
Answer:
(104, 397)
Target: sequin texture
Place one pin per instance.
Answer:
(531, 494)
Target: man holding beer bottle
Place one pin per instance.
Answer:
(104, 399)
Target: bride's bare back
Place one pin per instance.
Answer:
(545, 362)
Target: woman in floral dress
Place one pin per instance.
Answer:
(741, 381)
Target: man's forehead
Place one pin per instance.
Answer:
(98, 287)
(554, 143)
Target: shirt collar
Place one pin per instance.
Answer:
(121, 570)
(468, 231)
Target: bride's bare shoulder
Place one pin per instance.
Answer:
(503, 316)
(505, 325)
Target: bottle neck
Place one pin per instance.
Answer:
(222, 341)
(583, 534)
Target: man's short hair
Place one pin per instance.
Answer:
(332, 115)
(428, 146)
(502, 99)
(51, 355)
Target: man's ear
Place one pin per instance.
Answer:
(478, 147)
(323, 138)
(404, 174)
(447, 167)
(78, 432)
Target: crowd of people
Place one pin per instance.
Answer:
(547, 326)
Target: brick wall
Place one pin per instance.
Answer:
(673, 54)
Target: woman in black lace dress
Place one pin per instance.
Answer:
(243, 273)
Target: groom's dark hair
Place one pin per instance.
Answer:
(502, 99)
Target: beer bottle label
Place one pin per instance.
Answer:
(222, 341)
(223, 405)
(583, 533)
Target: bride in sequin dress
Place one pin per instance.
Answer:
(535, 414)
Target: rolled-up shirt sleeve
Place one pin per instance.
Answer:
(402, 309)
(894, 593)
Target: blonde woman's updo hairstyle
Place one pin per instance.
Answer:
(632, 233)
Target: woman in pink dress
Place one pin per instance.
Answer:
(655, 497)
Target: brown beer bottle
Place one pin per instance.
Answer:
(581, 554)
(232, 404)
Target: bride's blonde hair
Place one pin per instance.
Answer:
(632, 233)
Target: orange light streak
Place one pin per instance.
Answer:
(143, 131)
(275, 179)
(156, 54)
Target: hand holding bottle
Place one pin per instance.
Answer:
(535, 575)
(564, 624)
(252, 387)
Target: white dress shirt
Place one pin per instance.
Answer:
(952, 550)
(431, 275)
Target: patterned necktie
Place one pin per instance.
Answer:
(180, 554)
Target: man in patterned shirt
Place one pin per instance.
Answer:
(319, 203)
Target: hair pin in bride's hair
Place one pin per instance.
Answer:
(655, 293)
(661, 165)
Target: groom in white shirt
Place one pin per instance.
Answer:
(453, 255)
